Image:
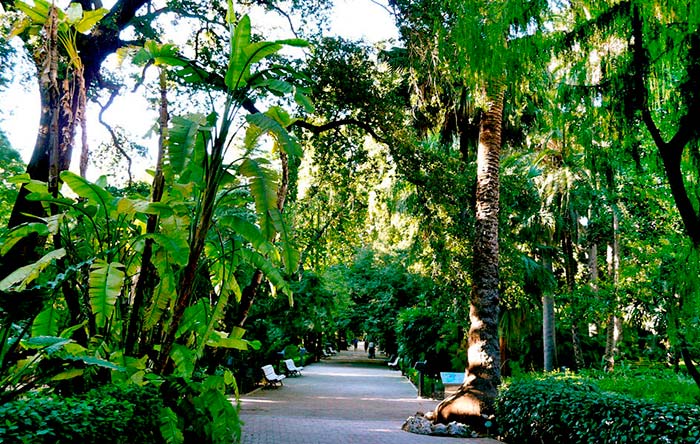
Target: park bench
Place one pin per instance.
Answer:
(394, 364)
(292, 369)
(271, 377)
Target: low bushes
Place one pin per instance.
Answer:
(111, 415)
(570, 411)
(654, 384)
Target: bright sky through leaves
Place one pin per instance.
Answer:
(19, 116)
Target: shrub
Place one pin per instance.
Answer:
(110, 415)
(654, 384)
(559, 410)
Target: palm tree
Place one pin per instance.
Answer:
(475, 398)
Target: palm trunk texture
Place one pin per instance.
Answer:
(473, 403)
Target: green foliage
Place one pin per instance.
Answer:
(203, 411)
(567, 410)
(651, 382)
(112, 242)
(112, 414)
(427, 333)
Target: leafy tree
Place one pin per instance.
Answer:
(647, 62)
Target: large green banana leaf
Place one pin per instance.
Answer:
(106, 281)
(19, 279)
(263, 187)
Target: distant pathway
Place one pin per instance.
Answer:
(344, 399)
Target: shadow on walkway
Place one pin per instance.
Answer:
(347, 398)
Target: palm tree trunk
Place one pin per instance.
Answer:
(475, 399)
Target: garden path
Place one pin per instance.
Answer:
(347, 399)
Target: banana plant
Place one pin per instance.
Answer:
(198, 152)
(204, 237)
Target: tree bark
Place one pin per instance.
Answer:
(59, 107)
(593, 279)
(671, 152)
(549, 344)
(570, 269)
(474, 402)
(614, 324)
(147, 278)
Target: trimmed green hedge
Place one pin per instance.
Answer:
(560, 410)
(110, 415)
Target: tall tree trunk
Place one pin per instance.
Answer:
(549, 342)
(671, 151)
(250, 291)
(147, 277)
(60, 111)
(475, 399)
(614, 324)
(186, 284)
(593, 279)
(570, 269)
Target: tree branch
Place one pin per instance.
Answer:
(289, 19)
(384, 7)
(317, 129)
(640, 61)
(115, 140)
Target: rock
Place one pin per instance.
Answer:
(421, 425)
(439, 429)
(458, 429)
(418, 424)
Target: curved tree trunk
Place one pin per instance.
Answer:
(671, 152)
(147, 277)
(474, 402)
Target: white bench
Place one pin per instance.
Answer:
(271, 377)
(394, 364)
(292, 367)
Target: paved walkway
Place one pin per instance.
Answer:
(344, 399)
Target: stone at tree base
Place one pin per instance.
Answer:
(421, 425)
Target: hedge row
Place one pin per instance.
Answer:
(555, 410)
(110, 415)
